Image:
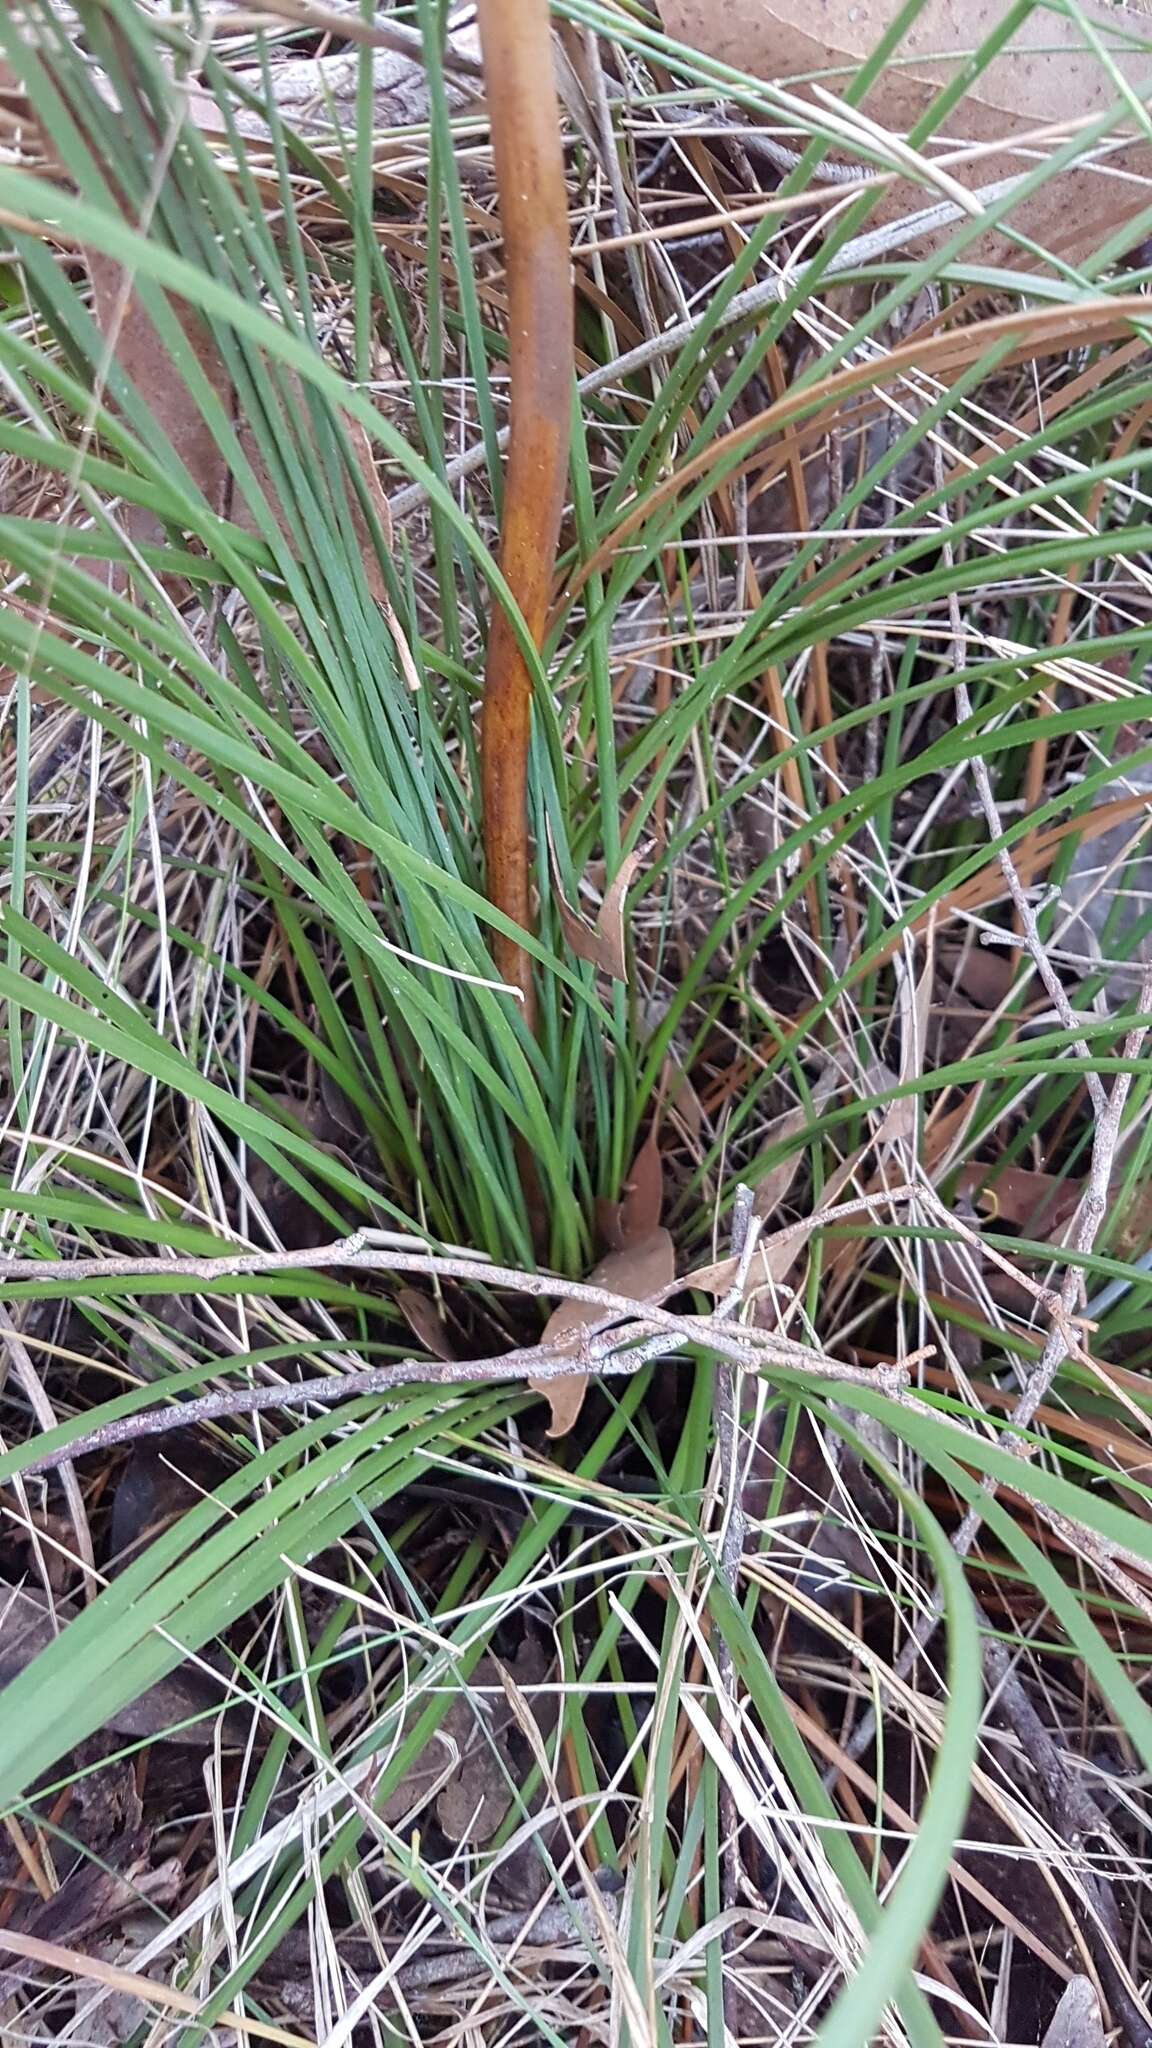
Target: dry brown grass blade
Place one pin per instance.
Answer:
(878, 1796)
(523, 109)
(72, 1964)
(818, 697)
(1042, 331)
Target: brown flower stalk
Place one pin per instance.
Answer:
(524, 114)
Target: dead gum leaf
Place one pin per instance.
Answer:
(479, 1792)
(1036, 83)
(602, 944)
(638, 1213)
(641, 1272)
(425, 1322)
(774, 1187)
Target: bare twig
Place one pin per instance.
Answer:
(605, 1353)
(629, 1336)
(374, 1251)
(382, 33)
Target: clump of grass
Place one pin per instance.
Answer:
(843, 672)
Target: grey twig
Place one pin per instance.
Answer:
(552, 1926)
(629, 1336)
(380, 33)
(372, 1251)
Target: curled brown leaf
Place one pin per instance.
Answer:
(641, 1272)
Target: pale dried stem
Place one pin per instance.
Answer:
(1072, 1808)
(1034, 944)
(757, 299)
(733, 1535)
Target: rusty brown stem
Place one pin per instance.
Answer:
(524, 113)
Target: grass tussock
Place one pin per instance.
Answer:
(575, 950)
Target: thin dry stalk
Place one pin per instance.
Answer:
(516, 39)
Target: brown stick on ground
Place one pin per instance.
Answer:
(515, 39)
